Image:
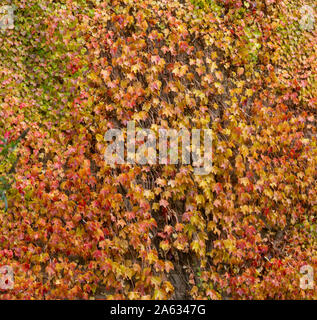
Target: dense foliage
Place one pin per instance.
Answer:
(78, 228)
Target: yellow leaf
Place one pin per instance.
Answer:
(249, 92)
(99, 137)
